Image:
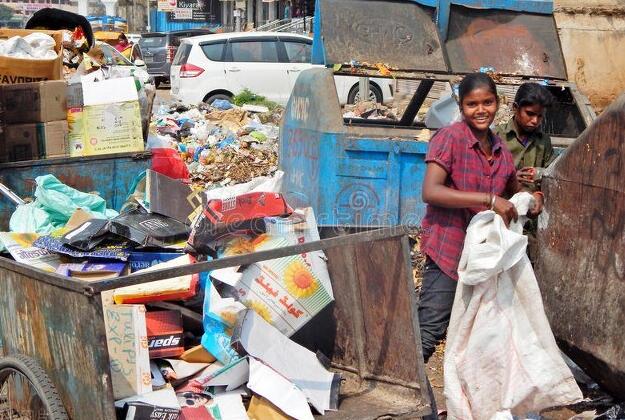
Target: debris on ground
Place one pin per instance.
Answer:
(370, 110)
(221, 145)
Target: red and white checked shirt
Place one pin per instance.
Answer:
(458, 151)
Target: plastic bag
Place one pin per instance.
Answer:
(501, 357)
(29, 218)
(168, 162)
(54, 204)
(217, 334)
(222, 104)
(61, 201)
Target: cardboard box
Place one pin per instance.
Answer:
(35, 141)
(23, 70)
(55, 139)
(21, 142)
(126, 337)
(74, 96)
(140, 260)
(34, 102)
(165, 334)
(111, 91)
(105, 129)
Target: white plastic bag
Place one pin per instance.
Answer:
(501, 357)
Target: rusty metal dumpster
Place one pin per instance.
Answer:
(581, 259)
(58, 323)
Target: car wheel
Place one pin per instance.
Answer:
(375, 94)
(157, 82)
(210, 99)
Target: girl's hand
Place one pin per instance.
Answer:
(506, 210)
(526, 175)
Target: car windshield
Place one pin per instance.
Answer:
(112, 57)
(157, 41)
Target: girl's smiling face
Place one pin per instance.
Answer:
(479, 107)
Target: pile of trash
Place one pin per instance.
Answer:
(222, 144)
(218, 341)
(370, 110)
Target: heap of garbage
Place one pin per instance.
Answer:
(222, 144)
(218, 341)
(370, 110)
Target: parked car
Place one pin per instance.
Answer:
(221, 66)
(159, 49)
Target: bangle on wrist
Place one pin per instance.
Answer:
(492, 201)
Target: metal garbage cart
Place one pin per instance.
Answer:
(54, 324)
(111, 176)
(355, 171)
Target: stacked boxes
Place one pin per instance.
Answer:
(34, 121)
(108, 120)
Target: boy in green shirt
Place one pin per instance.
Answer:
(531, 148)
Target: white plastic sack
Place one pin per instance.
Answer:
(33, 46)
(501, 357)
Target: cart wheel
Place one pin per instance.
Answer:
(26, 392)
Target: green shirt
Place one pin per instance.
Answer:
(537, 153)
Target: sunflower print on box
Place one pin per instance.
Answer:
(289, 289)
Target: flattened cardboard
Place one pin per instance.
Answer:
(262, 409)
(162, 404)
(110, 91)
(142, 260)
(197, 354)
(126, 335)
(34, 102)
(171, 197)
(259, 339)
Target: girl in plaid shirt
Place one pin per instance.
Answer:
(469, 170)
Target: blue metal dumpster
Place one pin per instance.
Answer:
(359, 172)
(111, 176)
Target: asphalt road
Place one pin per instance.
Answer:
(163, 93)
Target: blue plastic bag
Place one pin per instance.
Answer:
(222, 104)
(216, 338)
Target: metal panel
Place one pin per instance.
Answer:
(109, 175)
(531, 6)
(373, 182)
(368, 178)
(403, 36)
(513, 43)
(382, 368)
(581, 254)
(64, 332)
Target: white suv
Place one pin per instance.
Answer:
(220, 66)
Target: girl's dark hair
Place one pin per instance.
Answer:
(475, 81)
(122, 36)
(533, 94)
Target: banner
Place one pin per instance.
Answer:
(196, 10)
(167, 5)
